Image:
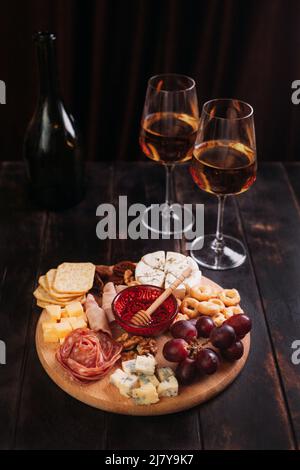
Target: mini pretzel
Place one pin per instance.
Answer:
(208, 308)
(219, 303)
(218, 319)
(201, 292)
(189, 307)
(230, 297)
(230, 311)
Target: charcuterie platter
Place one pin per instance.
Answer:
(194, 346)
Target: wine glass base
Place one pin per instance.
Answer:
(173, 220)
(232, 256)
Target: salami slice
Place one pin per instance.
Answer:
(88, 355)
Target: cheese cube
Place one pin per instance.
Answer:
(77, 322)
(50, 336)
(145, 395)
(49, 326)
(63, 313)
(168, 388)
(129, 366)
(145, 379)
(145, 365)
(74, 309)
(53, 312)
(164, 373)
(124, 382)
(63, 329)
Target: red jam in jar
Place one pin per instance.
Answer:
(135, 298)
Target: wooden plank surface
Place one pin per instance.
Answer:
(49, 418)
(251, 413)
(260, 410)
(21, 234)
(145, 182)
(272, 225)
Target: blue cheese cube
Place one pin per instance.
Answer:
(145, 379)
(145, 395)
(145, 365)
(164, 373)
(168, 388)
(129, 366)
(124, 382)
(117, 376)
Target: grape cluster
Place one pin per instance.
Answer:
(225, 341)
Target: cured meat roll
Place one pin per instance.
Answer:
(88, 355)
(109, 293)
(96, 316)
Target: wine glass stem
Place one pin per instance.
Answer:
(169, 199)
(218, 244)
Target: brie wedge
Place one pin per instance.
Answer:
(161, 270)
(155, 260)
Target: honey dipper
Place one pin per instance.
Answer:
(143, 317)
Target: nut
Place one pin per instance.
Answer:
(147, 346)
(120, 268)
(128, 276)
(122, 338)
(127, 355)
(132, 342)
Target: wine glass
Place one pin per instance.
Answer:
(224, 163)
(169, 127)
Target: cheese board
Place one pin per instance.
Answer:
(104, 395)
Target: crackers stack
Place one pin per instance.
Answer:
(64, 285)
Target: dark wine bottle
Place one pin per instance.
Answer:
(52, 149)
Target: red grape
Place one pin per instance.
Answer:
(234, 352)
(186, 371)
(207, 361)
(175, 350)
(183, 329)
(223, 336)
(240, 323)
(204, 326)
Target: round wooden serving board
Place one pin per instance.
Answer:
(106, 396)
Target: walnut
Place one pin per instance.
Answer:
(147, 346)
(128, 355)
(122, 338)
(132, 342)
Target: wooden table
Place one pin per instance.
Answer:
(260, 410)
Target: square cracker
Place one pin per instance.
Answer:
(44, 297)
(74, 278)
(49, 280)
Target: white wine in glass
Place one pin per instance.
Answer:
(168, 133)
(224, 163)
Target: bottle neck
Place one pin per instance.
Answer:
(49, 88)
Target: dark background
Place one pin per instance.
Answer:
(107, 49)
